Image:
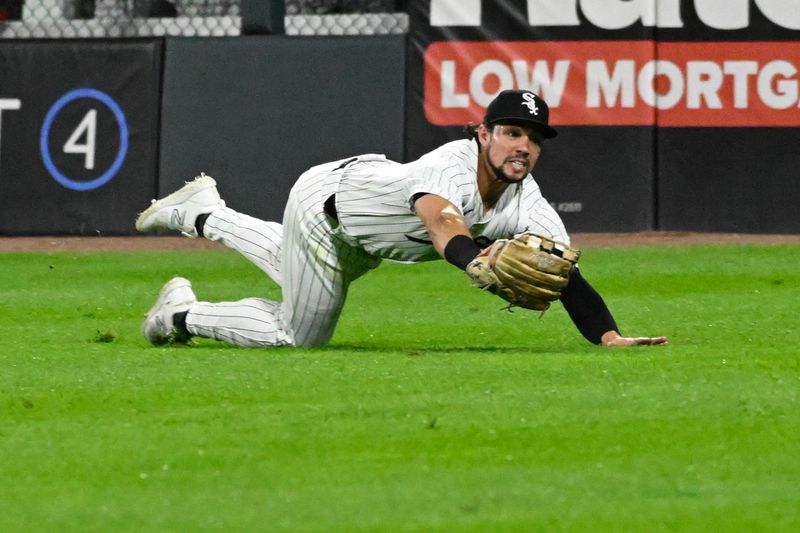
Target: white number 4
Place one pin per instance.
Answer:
(88, 126)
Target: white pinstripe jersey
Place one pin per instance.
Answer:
(374, 203)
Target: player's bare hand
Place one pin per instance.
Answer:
(612, 339)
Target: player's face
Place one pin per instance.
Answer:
(512, 151)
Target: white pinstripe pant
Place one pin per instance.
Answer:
(306, 256)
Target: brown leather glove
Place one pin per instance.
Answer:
(527, 271)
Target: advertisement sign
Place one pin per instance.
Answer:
(619, 83)
(78, 135)
(625, 80)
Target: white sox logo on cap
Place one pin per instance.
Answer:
(530, 103)
(522, 107)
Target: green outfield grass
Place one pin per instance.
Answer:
(432, 409)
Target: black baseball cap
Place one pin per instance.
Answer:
(522, 108)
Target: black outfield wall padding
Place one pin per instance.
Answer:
(730, 180)
(78, 135)
(599, 179)
(255, 112)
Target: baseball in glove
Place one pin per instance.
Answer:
(527, 271)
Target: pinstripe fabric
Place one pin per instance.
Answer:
(314, 258)
(307, 256)
(375, 208)
(257, 240)
(250, 322)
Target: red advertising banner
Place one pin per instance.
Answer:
(690, 108)
(622, 83)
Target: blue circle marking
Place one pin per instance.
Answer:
(123, 140)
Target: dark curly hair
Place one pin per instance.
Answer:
(471, 130)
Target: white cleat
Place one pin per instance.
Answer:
(179, 210)
(176, 297)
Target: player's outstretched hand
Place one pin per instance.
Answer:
(612, 338)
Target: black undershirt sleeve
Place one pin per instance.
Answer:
(461, 250)
(586, 308)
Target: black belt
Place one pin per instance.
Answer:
(330, 204)
(330, 207)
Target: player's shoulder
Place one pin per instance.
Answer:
(463, 151)
(529, 187)
(464, 148)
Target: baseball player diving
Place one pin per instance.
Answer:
(472, 202)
